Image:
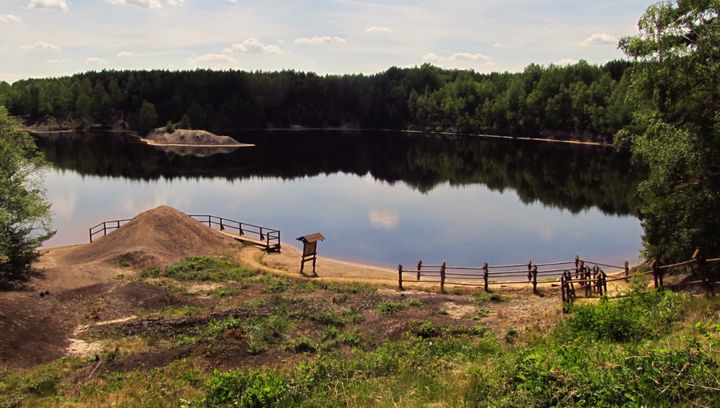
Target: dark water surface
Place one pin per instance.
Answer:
(381, 198)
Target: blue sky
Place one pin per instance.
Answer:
(60, 37)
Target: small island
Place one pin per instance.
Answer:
(169, 137)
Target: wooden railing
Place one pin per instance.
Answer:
(105, 227)
(269, 238)
(488, 275)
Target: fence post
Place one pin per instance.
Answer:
(400, 278)
(530, 265)
(534, 279)
(702, 268)
(562, 289)
(90, 232)
(587, 278)
(222, 227)
(604, 283)
(577, 265)
(442, 277)
(104, 229)
(419, 268)
(627, 269)
(486, 273)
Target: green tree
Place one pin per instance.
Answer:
(24, 210)
(147, 117)
(676, 130)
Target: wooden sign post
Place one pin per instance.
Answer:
(310, 250)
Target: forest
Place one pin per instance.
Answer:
(580, 101)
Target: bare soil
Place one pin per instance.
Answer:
(88, 297)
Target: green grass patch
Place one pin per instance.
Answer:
(201, 268)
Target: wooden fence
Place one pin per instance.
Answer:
(268, 238)
(578, 278)
(105, 227)
(488, 275)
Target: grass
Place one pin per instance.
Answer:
(647, 349)
(203, 269)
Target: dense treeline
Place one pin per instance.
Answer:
(580, 100)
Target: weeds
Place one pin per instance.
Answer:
(201, 268)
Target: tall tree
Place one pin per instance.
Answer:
(24, 210)
(676, 130)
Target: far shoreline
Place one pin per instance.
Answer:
(329, 129)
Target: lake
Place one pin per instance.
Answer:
(381, 198)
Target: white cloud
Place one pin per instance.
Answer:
(138, 3)
(462, 60)
(566, 61)
(176, 3)
(125, 54)
(384, 220)
(379, 29)
(9, 18)
(466, 56)
(317, 40)
(95, 61)
(600, 39)
(61, 5)
(57, 61)
(254, 46)
(212, 60)
(430, 57)
(40, 46)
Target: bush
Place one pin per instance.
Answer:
(246, 389)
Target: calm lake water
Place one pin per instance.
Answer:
(380, 198)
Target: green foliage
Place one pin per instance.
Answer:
(483, 298)
(559, 101)
(639, 316)
(675, 130)
(302, 345)
(24, 210)
(391, 307)
(170, 127)
(247, 389)
(147, 117)
(201, 268)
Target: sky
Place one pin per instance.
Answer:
(42, 38)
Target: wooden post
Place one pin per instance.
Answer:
(240, 229)
(534, 279)
(562, 289)
(222, 227)
(486, 274)
(530, 265)
(577, 265)
(627, 269)
(702, 268)
(604, 283)
(90, 232)
(104, 229)
(314, 263)
(400, 278)
(302, 266)
(442, 277)
(586, 278)
(419, 268)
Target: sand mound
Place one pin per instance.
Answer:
(154, 238)
(189, 137)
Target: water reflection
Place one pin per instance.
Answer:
(381, 197)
